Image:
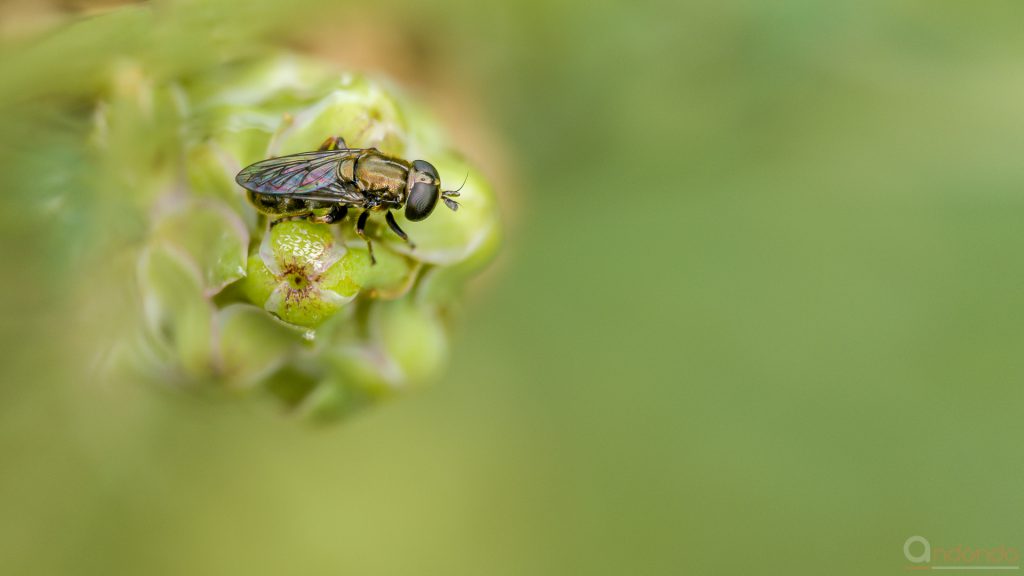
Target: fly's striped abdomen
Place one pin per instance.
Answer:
(276, 205)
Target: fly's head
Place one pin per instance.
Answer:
(424, 191)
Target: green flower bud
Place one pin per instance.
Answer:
(406, 345)
(302, 274)
(177, 314)
(412, 337)
(356, 110)
(319, 398)
(391, 277)
(274, 83)
(209, 175)
(211, 236)
(252, 344)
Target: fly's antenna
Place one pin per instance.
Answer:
(447, 195)
(455, 193)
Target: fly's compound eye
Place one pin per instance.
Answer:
(423, 168)
(424, 190)
(422, 199)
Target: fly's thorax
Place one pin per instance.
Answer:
(346, 171)
(378, 172)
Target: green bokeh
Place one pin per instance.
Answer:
(759, 312)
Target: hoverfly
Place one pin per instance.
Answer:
(321, 186)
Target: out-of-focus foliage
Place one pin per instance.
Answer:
(760, 313)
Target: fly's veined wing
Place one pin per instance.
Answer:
(334, 193)
(295, 174)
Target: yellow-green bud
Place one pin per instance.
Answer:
(303, 274)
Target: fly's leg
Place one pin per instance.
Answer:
(397, 230)
(361, 232)
(291, 217)
(338, 212)
(333, 143)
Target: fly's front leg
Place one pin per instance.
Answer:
(361, 232)
(332, 143)
(397, 230)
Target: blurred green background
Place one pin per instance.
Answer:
(759, 309)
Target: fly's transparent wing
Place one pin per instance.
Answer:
(343, 193)
(296, 174)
